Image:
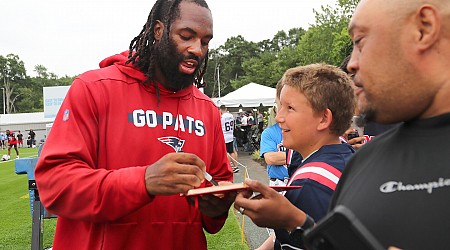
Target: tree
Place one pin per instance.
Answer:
(21, 92)
(327, 41)
(228, 60)
(239, 62)
(274, 58)
(41, 71)
(12, 72)
(31, 89)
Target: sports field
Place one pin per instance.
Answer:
(15, 217)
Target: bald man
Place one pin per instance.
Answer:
(398, 185)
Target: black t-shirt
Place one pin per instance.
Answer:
(398, 185)
(32, 134)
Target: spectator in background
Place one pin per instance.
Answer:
(32, 138)
(29, 141)
(244, 119)
(227, 121)
(251, 119)
(260, 119)
(238, 130)
(20, 139)
(3, 140)
(274, 154)
(245, 128)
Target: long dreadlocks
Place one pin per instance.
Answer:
(143, 45)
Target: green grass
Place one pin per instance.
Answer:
(229, 237)
(15, 217)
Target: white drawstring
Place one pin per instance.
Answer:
(245, 167)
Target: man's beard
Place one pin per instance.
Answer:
(169, 59)
(365, 117)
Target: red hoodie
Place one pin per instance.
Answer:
(91, 170)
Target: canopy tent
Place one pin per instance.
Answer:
(250, 95)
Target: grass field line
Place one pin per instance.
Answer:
(21, 156)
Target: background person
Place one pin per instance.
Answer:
(12, 143)
(132, 201)
(246, 126)
(19, 139)
(227, 121)
(273, 152)
(260, 118)
(32, 135)
(3, 140)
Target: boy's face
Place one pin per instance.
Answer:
(297, 120)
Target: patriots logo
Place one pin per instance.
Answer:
(174, 142)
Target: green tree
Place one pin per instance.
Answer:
(226, 62)
(327, 41)
(41, 71)
(31, 90)
(239, 62)
(12, 73)
(274, 58)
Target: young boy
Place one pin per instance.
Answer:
(317, 104)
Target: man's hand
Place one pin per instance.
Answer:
(269, 208)
(174, 173)
(214, 205)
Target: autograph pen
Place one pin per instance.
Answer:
(208, 177)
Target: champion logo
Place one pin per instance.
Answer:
(397, 186)
(176, 143)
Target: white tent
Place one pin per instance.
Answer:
(250, 95)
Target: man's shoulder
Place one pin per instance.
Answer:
(197, 94)
(110, 73)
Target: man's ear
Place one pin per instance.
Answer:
(325, 121)
(428, 22)
(158, 30)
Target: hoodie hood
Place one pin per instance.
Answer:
(119, 61)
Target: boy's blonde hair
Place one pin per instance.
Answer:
(325, 87)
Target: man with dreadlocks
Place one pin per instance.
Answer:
(107, 200)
